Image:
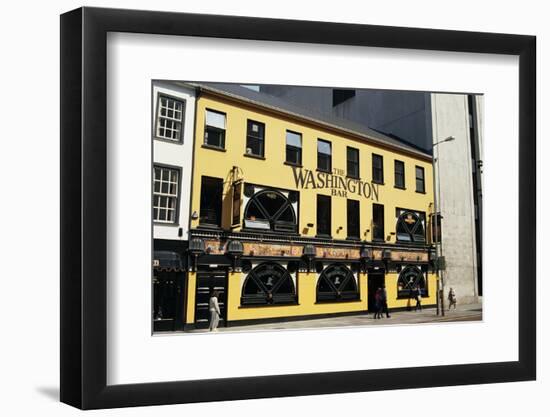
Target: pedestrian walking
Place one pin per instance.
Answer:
(378, 304)
(452, 298)
(417, 294)
(215, 313)
(384, 299)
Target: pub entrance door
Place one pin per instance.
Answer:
(375, 280)
(168, 301)
(208, 280)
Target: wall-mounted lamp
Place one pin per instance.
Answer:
(194, 216)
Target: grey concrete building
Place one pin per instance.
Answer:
(458, 169)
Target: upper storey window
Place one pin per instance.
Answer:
(214, 133)
(170, 113)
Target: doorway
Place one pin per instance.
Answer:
(208, 280)
(375, 280)
(168, 301)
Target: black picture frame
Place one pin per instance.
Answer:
(84, 207)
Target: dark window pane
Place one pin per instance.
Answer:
(377, 168)
(352, 162)
(323, 215)
(293, 155)
(272, 202)
(324, 155)
(378, 222)
(324, 162)
(353, 218)
(253, 212)
(211, 201)
(268, 283)
(270, 209)
(255, 138)
(214, 137)
(324, 286)
(337, 283)
(251, 287)
(411, 278)
(287, 215)
(400, 174)
(410, 226)
(420, 186)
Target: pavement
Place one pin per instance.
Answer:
(462, 313)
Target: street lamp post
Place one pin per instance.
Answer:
(437, 215)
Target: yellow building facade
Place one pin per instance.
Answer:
(295, 217)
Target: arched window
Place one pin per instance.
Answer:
(337, 283)
(410, 227)
(270, 210)
(411, 277)
(268, 283)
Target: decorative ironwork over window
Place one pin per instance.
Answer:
(270, 210)
(337, 283)
(410, 226)
(268, 283)
(411, 277)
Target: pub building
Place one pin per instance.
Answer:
(296, 216)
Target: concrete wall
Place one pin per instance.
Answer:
(453, 167)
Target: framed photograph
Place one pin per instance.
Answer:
(258, 208)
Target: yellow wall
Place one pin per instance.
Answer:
(306, 290)
(273, 172)
(191, 292)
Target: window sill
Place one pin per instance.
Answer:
(253, 156)
(172, 141)
(292, 164)
(321, 236)
(325, 171)
(171, 224)
(399, 188)
(353, 239)
(421, 192)
(209, 226)
(378, 182)
(351, 177)
(214, 148)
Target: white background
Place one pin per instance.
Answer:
(133, 60)
(29, 213)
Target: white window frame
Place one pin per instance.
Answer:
(162, 121)
(169, 196)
